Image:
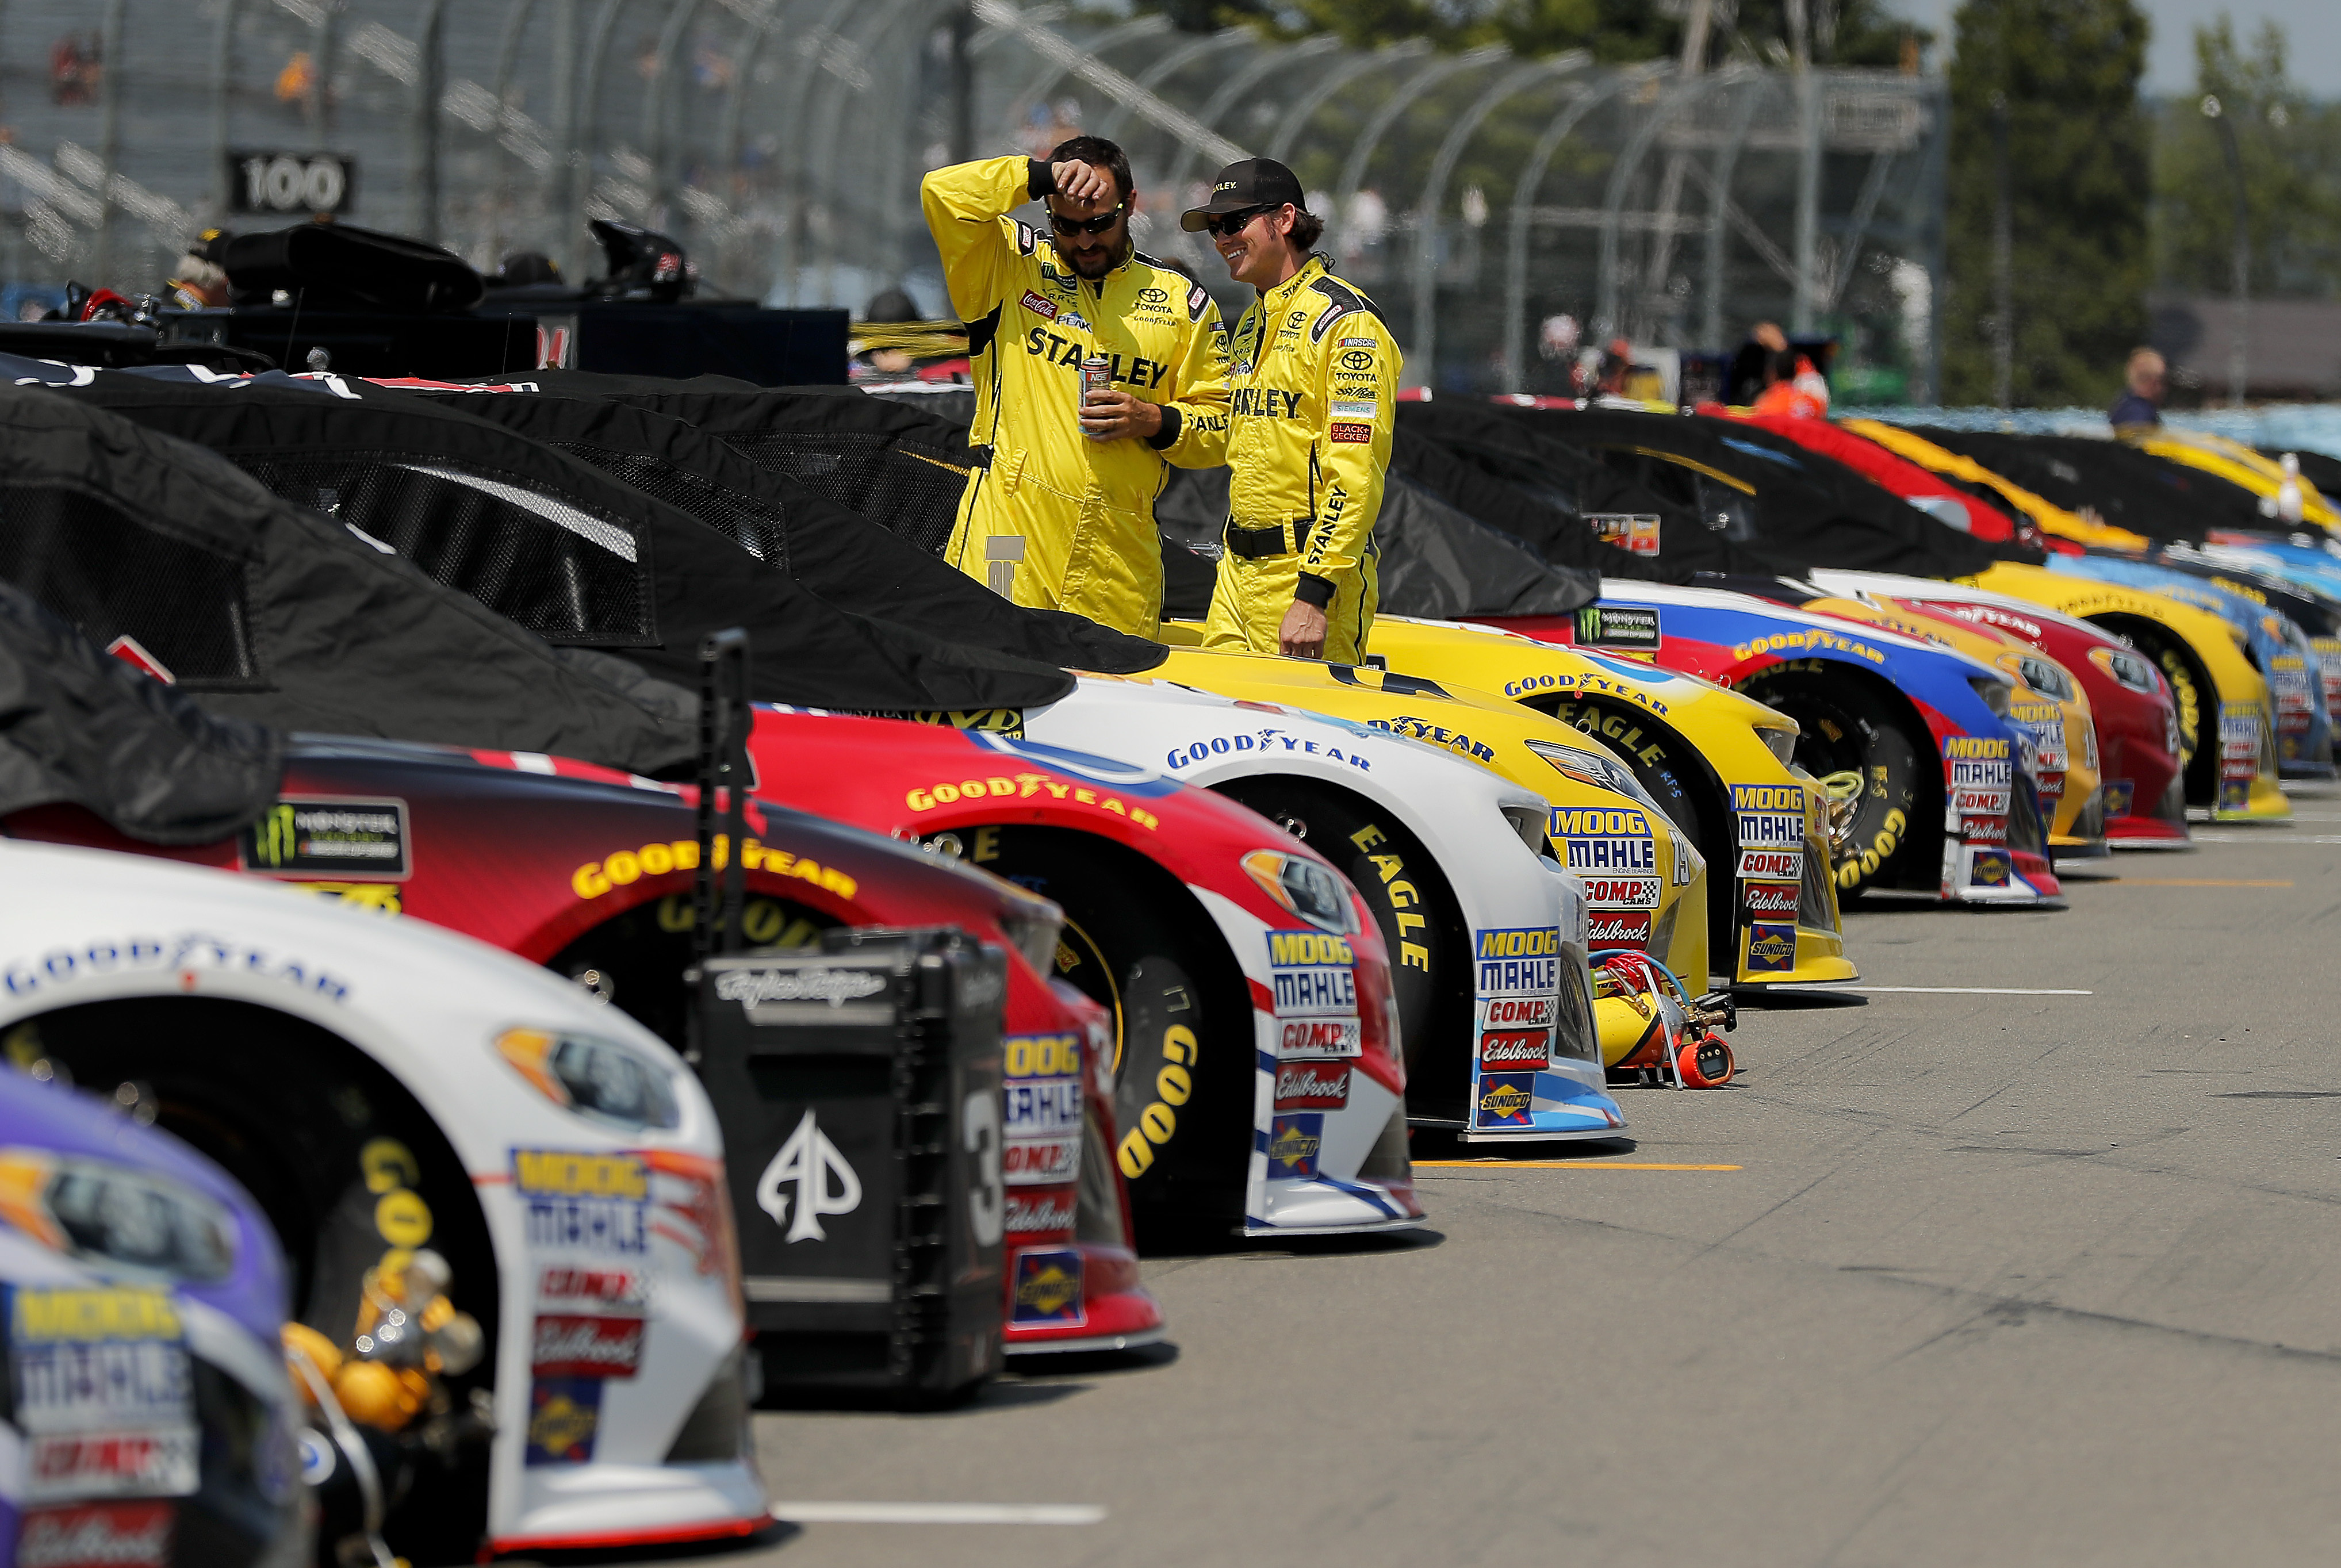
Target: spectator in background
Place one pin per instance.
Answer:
(1752, 366)
(2141, 400)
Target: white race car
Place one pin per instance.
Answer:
(383, 1087)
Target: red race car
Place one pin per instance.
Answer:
(588, 871)
(2136, 717)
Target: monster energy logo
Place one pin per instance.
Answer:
(1616, 626)
(342, 838)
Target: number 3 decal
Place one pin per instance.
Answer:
(987, 1202)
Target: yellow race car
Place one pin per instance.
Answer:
(2225, 713)
(1705, 752)
(1709, 761)
(2241, 466)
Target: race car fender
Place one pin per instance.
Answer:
(2136, 716)
(1727, 637)
(1709, 736)
(553, 1188)
(2223, 702)
(952, 789)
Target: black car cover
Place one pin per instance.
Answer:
(2118, 484)
(900, 466)
(562, 549)
(264, 611)
(837, 553)
(79, 728)
(1789, 506)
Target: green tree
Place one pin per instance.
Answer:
(2290, 148)
(2067, 73)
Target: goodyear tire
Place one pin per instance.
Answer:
(1422, 925)
(1686, 790)
(1883, 801)
(340, 1157)
(2191, 690)
(635, 959)
(1136, 942)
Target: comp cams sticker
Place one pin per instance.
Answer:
(1314, 985)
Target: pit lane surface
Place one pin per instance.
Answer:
(2050, 1279)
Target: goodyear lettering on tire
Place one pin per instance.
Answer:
(1158, 1124)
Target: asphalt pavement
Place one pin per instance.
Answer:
(1945, 1276)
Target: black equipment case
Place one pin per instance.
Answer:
(858, 1088)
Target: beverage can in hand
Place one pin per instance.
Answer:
(1097, 375)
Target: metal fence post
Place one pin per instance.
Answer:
(109, 136)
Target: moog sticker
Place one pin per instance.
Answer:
(588, 1203)
(1519, 961)
(1770, 816)
(102, 1392)
(1315, 994)
(1599, 840)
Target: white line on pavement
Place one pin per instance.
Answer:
(1946, 990)
(2274, 840)
(939, 1513)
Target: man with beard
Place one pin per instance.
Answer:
(1312, 406)
(1059, 510)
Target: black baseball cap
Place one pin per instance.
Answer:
(1252, 183)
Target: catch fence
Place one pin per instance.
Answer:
(1480, 198)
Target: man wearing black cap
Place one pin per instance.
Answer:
(1313, 380)
(1059, 510)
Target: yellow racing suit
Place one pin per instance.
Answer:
(1312, 402)
(1050, 518)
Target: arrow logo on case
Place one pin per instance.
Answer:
(808, 1159)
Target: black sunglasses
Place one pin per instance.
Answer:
(1069, 226)
(1233, 222)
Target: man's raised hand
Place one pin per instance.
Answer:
(1083, 184)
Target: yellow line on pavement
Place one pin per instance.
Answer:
(2187, 882)
(1505, 1165)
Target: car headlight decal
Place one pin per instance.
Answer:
(597, 1077)
(1307, 890)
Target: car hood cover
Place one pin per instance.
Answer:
(841, 554)
(267, 611)
(79, 728)
(561, 547)
(2124, 487)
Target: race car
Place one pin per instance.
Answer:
(123, 1248)
(2278, 651)
(1910, 733)
(2277, 648)
(2136, 717)
(368, 1082)
(2285, 498)
(1715, 763)
(1489, 933)
(584, 869)
(291, 547)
